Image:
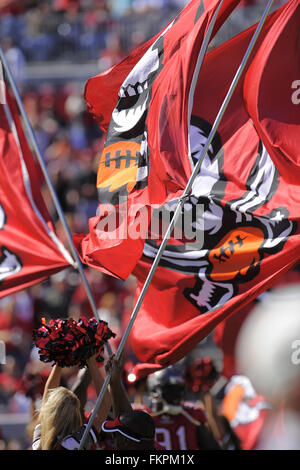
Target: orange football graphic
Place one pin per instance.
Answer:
(118, 166)
(236, 253)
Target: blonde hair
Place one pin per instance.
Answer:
(60, 416)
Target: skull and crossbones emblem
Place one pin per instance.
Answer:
(126, 147)
(225, 259)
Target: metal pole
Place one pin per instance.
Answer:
(78, 264)
(177, 213)
(199, 62)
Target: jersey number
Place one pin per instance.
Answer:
(163, 436)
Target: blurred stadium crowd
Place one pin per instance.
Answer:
(39, 32)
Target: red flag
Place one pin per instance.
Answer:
(102, 91)
(225, 337)
(226, 332)
(145, 160)
(272, 92)
(29, 249)
(249, 221)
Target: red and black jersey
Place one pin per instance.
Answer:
(103, 441)
(185, 430)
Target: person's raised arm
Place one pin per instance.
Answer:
(98, 378)
(53, 381)
(120, 400)
(80, 387)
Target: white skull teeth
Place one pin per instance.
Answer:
(134, 93)
(9, 265)
(126, 116)
(133, 90)
(126, 119)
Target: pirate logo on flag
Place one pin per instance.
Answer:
(235, 240)
(123, 163)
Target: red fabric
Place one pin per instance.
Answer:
(251, 216)
(36, 176)
(28, 255)
(145, 156)
(226, 332)
(13, 7)
(225, 337)
(277, 121)
(101, 91)
(269, 88)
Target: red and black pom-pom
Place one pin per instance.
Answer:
(70, 343)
